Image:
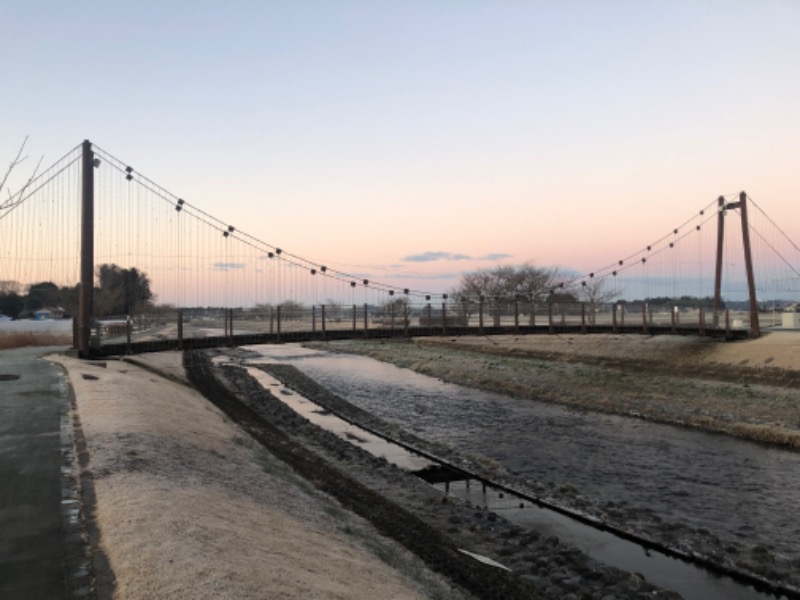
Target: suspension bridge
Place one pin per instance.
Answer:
(220, 285)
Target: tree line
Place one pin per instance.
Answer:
(118, 291)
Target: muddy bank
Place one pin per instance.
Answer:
(412, 512)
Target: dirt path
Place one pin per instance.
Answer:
(188, 505)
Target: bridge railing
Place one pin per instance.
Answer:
(206, 327)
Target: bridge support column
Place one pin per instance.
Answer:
(86, 297)
(718, 270)
(755, 326)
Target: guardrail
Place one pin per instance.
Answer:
(210, 327)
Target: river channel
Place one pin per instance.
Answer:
(735, 489)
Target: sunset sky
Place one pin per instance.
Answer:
(423, 138)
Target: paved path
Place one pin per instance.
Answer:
(33, 397)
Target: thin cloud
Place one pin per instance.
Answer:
(220, 266)
(496, 256)
(434, 256)
(424, 276)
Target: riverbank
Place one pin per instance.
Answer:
(168, 467)
(188, 505)
(747, 389)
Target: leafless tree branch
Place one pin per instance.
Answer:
(17, 197)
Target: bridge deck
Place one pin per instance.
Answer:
(194, 343)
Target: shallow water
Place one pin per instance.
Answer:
(733, 488)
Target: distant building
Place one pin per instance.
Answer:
(43, 314)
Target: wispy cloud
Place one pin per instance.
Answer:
(496, 256)
(220, 266)
(434, 256)
(425, 276)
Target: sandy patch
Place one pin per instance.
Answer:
(189, 506)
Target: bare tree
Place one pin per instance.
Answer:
(596, 291)
(501, 285)
(15, 198)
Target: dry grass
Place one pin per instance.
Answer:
(25, 339)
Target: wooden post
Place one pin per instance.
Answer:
(313, 319)
(550, 317)
(278, 321)
(354, 318)
(366, 322)
(614, 318)
(727, 323)
(128, 334)
(430, 316)
(702, 321)
(672, 318)
(444, 318)
(180, 329)
(583, 317)
(230, 327)
(86, 295)
(322, 310)
(516, 315)
(405, 319)
(480, 315)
